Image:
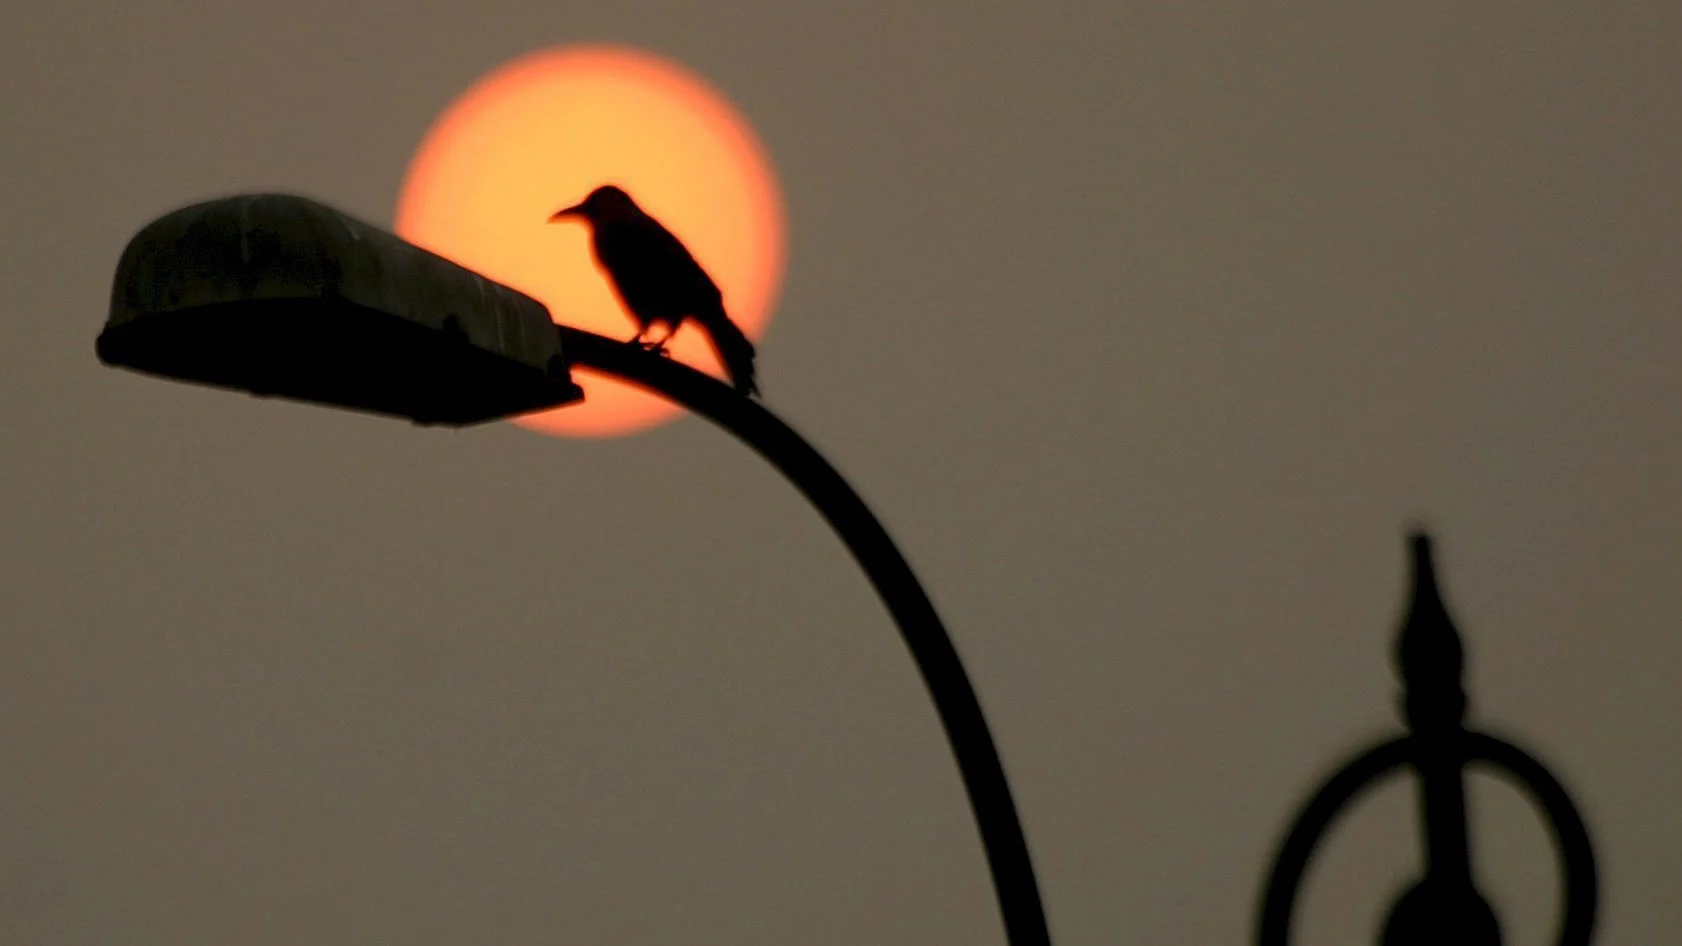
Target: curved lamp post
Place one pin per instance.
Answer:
(282, 296)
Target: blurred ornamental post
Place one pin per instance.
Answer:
(1444, 907)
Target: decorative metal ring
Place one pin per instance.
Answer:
(1581, 885)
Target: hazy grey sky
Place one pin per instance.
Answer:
(1148, 329)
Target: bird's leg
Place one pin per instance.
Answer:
(659, 347)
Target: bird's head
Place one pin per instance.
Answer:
(604, 203)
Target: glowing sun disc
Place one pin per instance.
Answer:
(539, 133)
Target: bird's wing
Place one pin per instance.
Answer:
(653, 269)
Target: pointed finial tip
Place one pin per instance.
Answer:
(1427, 615)
(1423, 568)
(1428, 648)
(1419, 543)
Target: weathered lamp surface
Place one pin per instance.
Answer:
(279, 295)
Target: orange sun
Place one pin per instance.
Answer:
(537, 135)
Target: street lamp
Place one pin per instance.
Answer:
(285, 297)
(282, 296)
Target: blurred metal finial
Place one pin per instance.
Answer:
(1444, 906)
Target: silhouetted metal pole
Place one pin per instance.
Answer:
(925, 636)
(1444, 907)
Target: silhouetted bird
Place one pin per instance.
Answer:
(657, 279)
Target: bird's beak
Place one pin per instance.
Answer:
(576, 210)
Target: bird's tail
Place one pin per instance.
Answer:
(733, 348)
